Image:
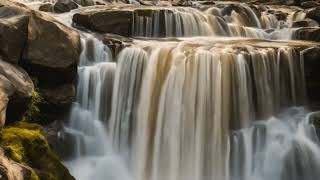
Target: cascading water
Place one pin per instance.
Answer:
(94, 156)
(282, 148)
(191, 96)
(187, 108)
(238, 20)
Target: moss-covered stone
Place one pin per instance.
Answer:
(26, 144)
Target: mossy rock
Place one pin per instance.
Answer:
(25, 143)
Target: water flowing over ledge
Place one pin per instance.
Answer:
(196, 94)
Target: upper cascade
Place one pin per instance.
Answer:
(221, 19)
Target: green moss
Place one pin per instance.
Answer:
(26, 144)
(33, 112)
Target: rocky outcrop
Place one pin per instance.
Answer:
(16, 90)
(48, 50)
(13, 33)
(106, 21)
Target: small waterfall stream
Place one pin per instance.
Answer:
(94, 156)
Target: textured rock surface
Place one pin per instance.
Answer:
(13, 33)
(54, 62)
(45, 48)
(11, 170)
(16, 89)
(106, 21)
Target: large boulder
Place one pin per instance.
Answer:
(106, 21)
(13, 33)
(16, 90)
(52, 51)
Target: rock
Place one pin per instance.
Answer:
(60, 141)
(16, 90)
(26, 144)
(106, 21)
(315, 121)
(52, 63)
(309, 34)
(62, 6)
(58, 101)
(309, 4)
(85, 2)
(13, 33)
(48, 7)
(312, 74)
(11, 170)
(314, 14)
(304, 23)
(116, 43)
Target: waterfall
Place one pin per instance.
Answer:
(205, 105)
(281, 148)
(89, 116)
(235, 20)
(175, 104)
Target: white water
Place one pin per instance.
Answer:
(283, 148)
(94, 155)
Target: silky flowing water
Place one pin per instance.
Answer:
(209, 97)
